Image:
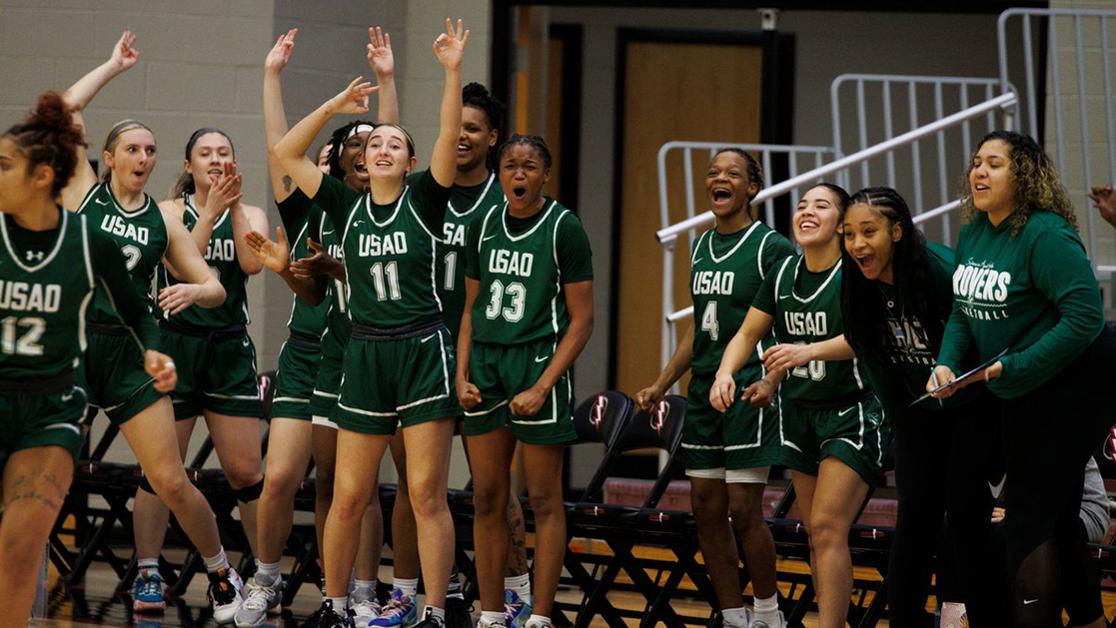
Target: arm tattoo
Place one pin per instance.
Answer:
(286, 183)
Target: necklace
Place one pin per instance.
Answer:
(895, 320)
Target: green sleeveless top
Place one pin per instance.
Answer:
(465, 204)
(807, 308)
(338, 326)
(522, 266)
(48, 280)
(726, 271)
(141, 236)
(306, 319)
(220, 254)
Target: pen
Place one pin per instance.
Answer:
(934, 376)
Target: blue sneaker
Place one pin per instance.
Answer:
(399, 612)
(147, 592)
(516, 609)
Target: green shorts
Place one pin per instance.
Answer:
(294, 379)
(395, 381)
(112, 374)
(216, 372)
(501, 372)
(327, 385)
(742, 438)
(30, 419)
(855, 433)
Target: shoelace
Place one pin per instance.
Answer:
(394, 608)
(259, 596)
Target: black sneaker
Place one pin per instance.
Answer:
(327, 617)
(457, 613)
(430, 620)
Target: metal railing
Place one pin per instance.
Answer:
(668, 235)
(1070, 49)
(871, 108)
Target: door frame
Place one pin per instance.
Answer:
(776, 122)
(573, 37)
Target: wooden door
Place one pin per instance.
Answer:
(696, 91)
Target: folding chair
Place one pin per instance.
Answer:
(660, 429)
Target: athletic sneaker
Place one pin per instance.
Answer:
(399, 611)
(516, 609)
(759, 623)
(364, 605)
(457, 612)
(224, 594)
(327, 617)
(260, 600)
(429, 620)
(147, 592)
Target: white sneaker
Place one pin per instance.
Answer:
(224, 594)
(779, 623)
(261, 600)
(364, 606)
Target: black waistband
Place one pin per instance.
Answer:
(835, 404)
(107, 329)
(420, 327)
(56, 384)
(304, 341)
(212, 333)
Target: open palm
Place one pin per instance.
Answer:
(380, 57)
(274, 255)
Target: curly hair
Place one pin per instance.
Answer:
(1038, 187)
(49, 136)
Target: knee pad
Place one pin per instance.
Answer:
(145, 485)
(249, 493)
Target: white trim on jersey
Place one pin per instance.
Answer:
(488, 411)
(291, 400)
(188, 205)
(127, 214)
(759, 253)
(364, 412)
(408, 406)
(63, 426)
(88, 298)
(49, 257)
(697, 247)
(254, 397)
(557, 279)
(433, 257)
(856, 446)
(504, 223)
(476, 203)
(326, 395)
(394, 212)
(821, 288)
(735, 247)
(779, 280)
(495, 209)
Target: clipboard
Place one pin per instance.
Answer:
(961, 378)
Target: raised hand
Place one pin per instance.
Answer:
(274, 255)
(280, 53)
(124, 55)
(449, 47)
(161, 368)
(354, 98)
(380, 57)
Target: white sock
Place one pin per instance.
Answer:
(365, 584)
(407, 586)
(540, 620)
(266, 573)
(735, 617)
(218, 561)
(150, 564)
(339, 603)
(492, 618)
(767, 608)
(521, 584)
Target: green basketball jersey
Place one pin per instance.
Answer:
(220, 254)
(807, 308)
(305, 318)
(521, 275)
(338, 325)
(465, 204)
(141, 236)
(725, 273)
(44, 295)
